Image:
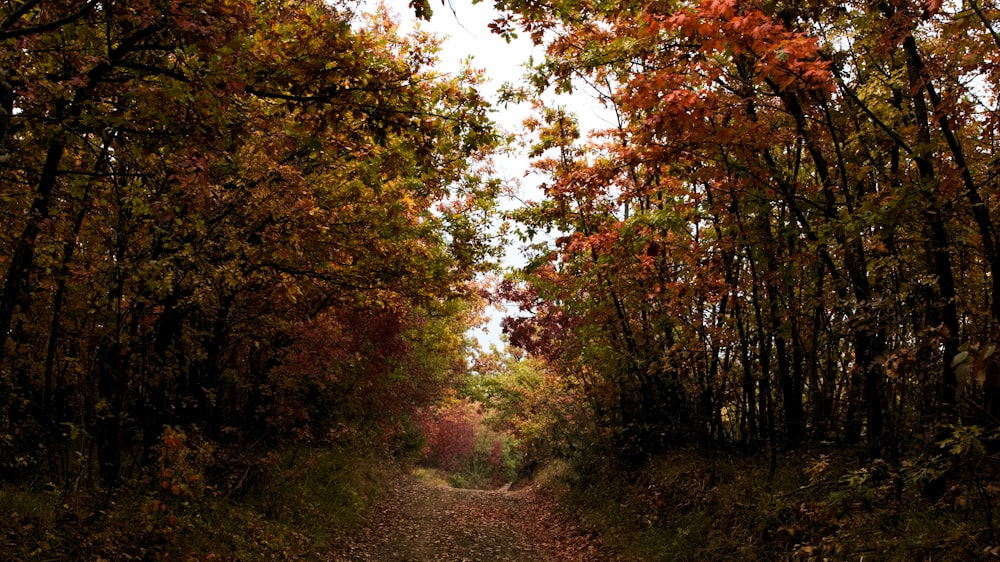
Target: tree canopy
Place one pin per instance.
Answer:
(260, 219)
(790, 232)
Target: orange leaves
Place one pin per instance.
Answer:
(797, 66)
(576, 244)
(721, 27)
(172, 441)
(721, 9)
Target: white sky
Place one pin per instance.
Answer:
(466, 33)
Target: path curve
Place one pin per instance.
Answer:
(418, 521)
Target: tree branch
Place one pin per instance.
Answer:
(7, 33)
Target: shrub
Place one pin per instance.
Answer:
(459, 442)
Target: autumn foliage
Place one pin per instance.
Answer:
(450, 430)
(251, 223)
(782, 238)
(460, 442)
(789, 233)
(240, 227)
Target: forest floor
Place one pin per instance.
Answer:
(424, 520)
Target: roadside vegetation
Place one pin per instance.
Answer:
(769, 282)
(937, 501)
(240, 250)
(690, 505)
(201, 503)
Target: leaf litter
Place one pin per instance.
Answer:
(418, 521)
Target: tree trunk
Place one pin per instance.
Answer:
(940, 244)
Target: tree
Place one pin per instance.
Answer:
(203, 197)
(785, 223)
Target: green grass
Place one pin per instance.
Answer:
(29, 515)
(29, 505)
(431, 476)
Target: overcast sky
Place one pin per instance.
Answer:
(464, 27)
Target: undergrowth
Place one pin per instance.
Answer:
(690, 505)
(291, 504)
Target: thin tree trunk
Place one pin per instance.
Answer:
(940, 244)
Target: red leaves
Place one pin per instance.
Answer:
(336, 369)
(722, 27)
(496, 454)
(721, 9)
(451, 434)
(172, 441)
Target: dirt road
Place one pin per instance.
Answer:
(420, 521)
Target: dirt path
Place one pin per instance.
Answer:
(422, 522)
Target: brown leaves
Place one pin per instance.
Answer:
(417, 521)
